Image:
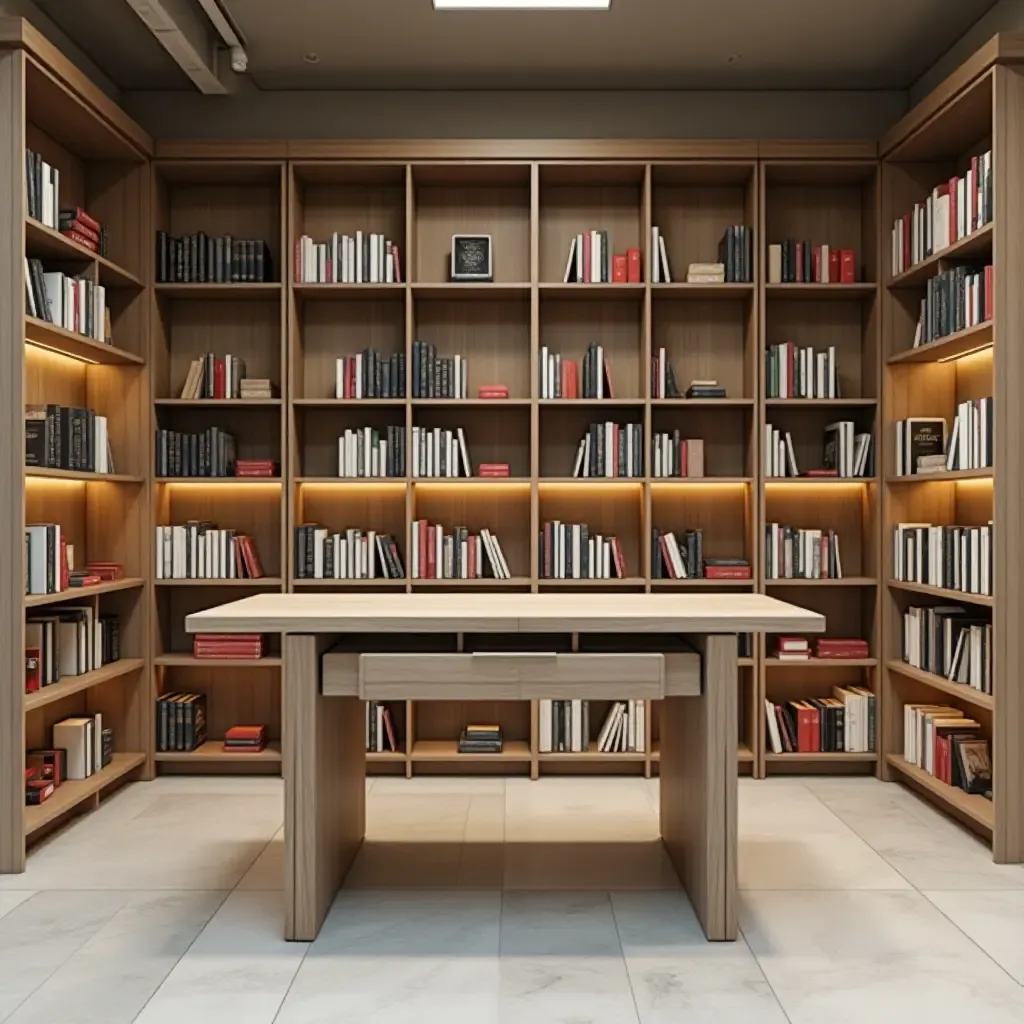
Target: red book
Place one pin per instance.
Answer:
(684, 459)
(799, 261)
(587, 245)
(219, 379)
(251, 557)
(423, 549)
(816, 264)
(298, 262)
(32, 671)
(834, 269)
(618, 558)
(989, 297)
(254, 472)
(65, 572)
(666, 558)
(633, 266)
(494, 468)
(953, 209)
(84, 581)
(727, 572)
(805, 724)
(77, 226)
(229, 636)
(847, 266)
(471, 566)
(619, 272)
(821, 472)
(246, 732)
(79, 214)
(398, 264)
(547, 551)
(83, 240)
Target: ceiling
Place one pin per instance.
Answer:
(638, 44)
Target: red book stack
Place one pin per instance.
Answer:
(106, 571)
(839, 648)
(792, 648)
(245, 739)
(77, 225)
(493, 391)
(237, 646)
(255, 467)
(494, 469)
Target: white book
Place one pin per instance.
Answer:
(579, 257)
(569, 266)
(666, 271)
(773, 727)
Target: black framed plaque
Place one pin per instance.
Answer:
(472, 258)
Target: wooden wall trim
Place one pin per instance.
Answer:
(818, 149)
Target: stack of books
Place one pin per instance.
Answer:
(663, 377)
(480, 739)
(841, 723)
(380, 729)
(563, 378)
(105, 571)
(210, 453)
(322, 554)
(955, 300)
(795, 371)
(950, 642)
(705, 273)
(792, 648)
(368, 374)
(255, 468)
(950, 557)
(705, 389)
(661, 272)
(73, 303)
(433, 377)
(792, 262)
(591, 261)
(569, 551)
(365, 452)
(673, 456)
(84, 230)
(437, 452)
(736, 252)
(60, 437)
(920, 445)
(948, 746)
(213, 376)
(46, 770)
(228, 646)
(491, 391)
(365, 258)
(255, 387)
(200, 259)
(459, 555)
(245, 739)
(841, 648)
(611, 450)
(792, 553)
(180, 721)
(198, 550)
(495, 470)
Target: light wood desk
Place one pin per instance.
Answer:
(342, 649)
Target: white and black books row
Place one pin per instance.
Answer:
(323, 554)
(845, 453)
(200, 259)
(380, 728)
(791, 553)
(673, 456)
(48, 559)
(363, 258)
(611, 450)
(71, 641)
(953, 210)
(210, 453)
(970, 444)
(570, 551)
(440, 453)
(591, 261)
(947, 640)
(564, 727)
(663, 377)
(198, 550)
(950, 557)
(661, 272)
(367, 452)
(841, 723)
(563, 378)
(59, 437)
(955, 300)
(672, 560)
(370, 375)
(921, 441)
(87, 745)
(213, 376)
(73, 303)
(949, 746)
(42, 196)
(793, 371)
(459, 555)
(433, 377)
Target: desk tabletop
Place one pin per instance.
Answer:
(506, 613)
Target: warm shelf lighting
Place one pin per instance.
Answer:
(522, 5)
(51, 351)
(987, 348)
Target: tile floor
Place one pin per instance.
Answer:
(859, 904)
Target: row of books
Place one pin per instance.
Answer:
(563, 727)
(87, 748)
(798, 648)
(198, 550)
(180, 722)
(970, 443)
(591, 261)
(570, 551)
(663, 377)
(323, 554)
(674, 456)
(436, 555)
(845, 453)
(49, 563)
(949, 746)
(367, 452)
(213, 376)
(795, 371)
(949, 641)
(62, 437)
(950, 557)
(610, 450)
(223, 646)
(955, 300)
(222, 259)
(841, 723)
(952, 211)
(363, 258)
(73, 303)
(672, 559)
(208, 453)
(42, 190)
(564, 378)
(736, 253)
(921, 440)
(69, 641)
(792, 553)
(440, 453)
(380, 728)
(793, 262)
(437, 377)
(368, 374)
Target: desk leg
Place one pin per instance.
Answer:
(698, 787)
(324, 764)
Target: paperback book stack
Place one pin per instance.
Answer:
(228, 646)
(255, 388)
(673, 456)
(60, 437)
(180, 722)
(202, 259)
(480, 739)
(323, 554)
(199, 550)
(955, 300)
(661, 272)
(792, 648)
(610, 450)
(210, 453)
(949, 557)
(213, 376)
(949, 746)
(367, 452)
(920, 445)
(792, 553)
(564, 727)
(841, 723)
(705, 273)
(492, 391)
(953, 210)
(564, 378)
(73, 303)
(433, 377)
(736, 252)
(459, 555)
(663, 377)
(970, 444)
(591, 261)
(439, 453)
(365, 258)
(570, 551)
(88, 746)
(368, 374)
(795, 371)
(949, 641)
(494, 470)
(841, 648)
(705, 389)
(792, 262)
(245, 739)
(380, 728)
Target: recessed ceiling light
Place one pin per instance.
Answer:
(522, 5)
(312, 58)
(734, 58)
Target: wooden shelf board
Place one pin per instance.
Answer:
(42, 334)
(697, 481)
(804, 290)
(818, 481)
(845, 581)
(628, 581)
(448, 750)
(929, 478)
(312, 584)
(496, 403)
(721, 403)
(486, 583)
(80, 474)
(948, 595)
(330, 403)
(669, 584)
(592, 481)
(591, 403)
(962, 691)
(462, 290)
(212, 751)
(263, 581)
(397, 482)
(241, 290)
(76, 684)
(823, 757)
(728, 291)
(822, 663)
(971, 805)
(43, 241)
(385, 755)
(78, 593)
(743, 753)
(971, 339)
(468, 481)
(348, 291)
(72, 793)
(974, 244)
(745, 662)
(185, 660)
(593, 754)
(820, 403)
(210, 403)
(218, 481)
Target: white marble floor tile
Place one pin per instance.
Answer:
(12, 898)
(440, 785)
(113, 975)
(267, 871)
(994, 920)
(884, 957)
(239, 968)
(677, 975)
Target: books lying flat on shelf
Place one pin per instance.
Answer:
(841, 723)
(955, 300)
(792, 648)
(705, 273)
(83, 230)
(439, 453)
(201, 259)
(948, 745)
(570, 551)
(564, 378)
(255, 387)
(380, 728)
(367, 452)
(323, 554)
(970, 443)
(674, 559)
(949, 641)
(920, 445)
(610, 450)
(841, 648)
(705, 389)
(70, 641)
(792, 262)
(950, 557)
(180, 722)
(564, 727)
(492, 391)
(434, 377)
(213, 376)
(673, 456)
(255, 468)
(368, 374)
(480, 739)
(83, 741)
(951, 212)
(459, 555)
(245, 739)
(792, 553)
(228, 646)
(590, 261)
(210, 453)
(736, 252)
(198, 550)
(799, 371)
(847, 452)
(661, 272)
(59, 437)
(73, 303)
(365, 258)
(42, 184)
(726, 569)
(663, 377)
(496, 470)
